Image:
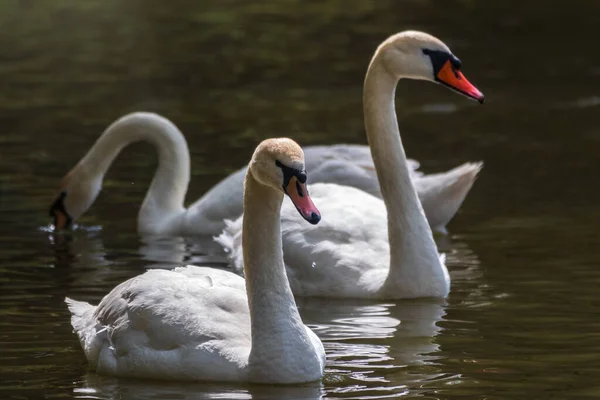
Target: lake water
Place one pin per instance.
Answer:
(523, 317)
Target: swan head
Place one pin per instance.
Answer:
(78, 191)
(279, 164)
(418, 55)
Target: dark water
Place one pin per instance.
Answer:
(523, 317)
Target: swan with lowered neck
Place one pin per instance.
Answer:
(163, 213)
(367, 247)
(196, 323)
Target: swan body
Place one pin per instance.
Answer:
(198, 323)
(348, 259)
(367, 247)
(163, 211)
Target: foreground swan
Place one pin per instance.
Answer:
(194, 323)
(163, 213)
(367, 247)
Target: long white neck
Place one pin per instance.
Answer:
(280, 343)
(414, 260)
(164, 199)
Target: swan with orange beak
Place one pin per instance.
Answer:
(446, 70)
(367, 247)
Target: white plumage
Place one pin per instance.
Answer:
(198, 323)
(367, 247)
(163, 213)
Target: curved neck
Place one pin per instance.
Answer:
(169, 185)
(410, 237)
(275, 321)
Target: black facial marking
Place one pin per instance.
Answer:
(288, 173)
(59, 205)
(439, 58)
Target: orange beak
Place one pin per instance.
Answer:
(60, 220)
(57, 210)
(454, 79)
(299, 195)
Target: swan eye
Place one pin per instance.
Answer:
(289, 173)
(301, 177)
(446, 70)
(455, 62)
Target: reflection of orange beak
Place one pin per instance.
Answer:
(454, 79)
(299, 195)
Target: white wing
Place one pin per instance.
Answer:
(345, 255)
(189, 323)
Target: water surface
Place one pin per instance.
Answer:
(522, 319)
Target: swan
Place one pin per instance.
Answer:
(200, 323)
(163, 213)
(368, 247)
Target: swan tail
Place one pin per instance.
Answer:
(225, 239)
(86, 327)
(443, 194)
(459, 180)
(468, 171)
(464, 177)
(413, 167)
(231, 241)
(81, 313)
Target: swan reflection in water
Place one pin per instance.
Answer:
(95, 386)
(372, 346)
(84, 248)
(374, 349)
(369, 347)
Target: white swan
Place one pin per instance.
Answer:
(195, 323)
(367, 247)
(163, 213)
